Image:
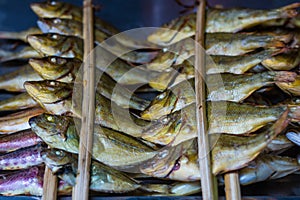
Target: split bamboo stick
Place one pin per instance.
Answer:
(207, 183)
(88, 106)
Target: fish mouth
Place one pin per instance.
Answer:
(37, 8)
(37, 65)
(34, 41)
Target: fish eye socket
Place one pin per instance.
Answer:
(58, 153)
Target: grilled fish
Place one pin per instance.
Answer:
(71, 47)
(66, 70)
(18, 121)
(74, 28)
(109, 147)
(22, 158)
(18, 140)
(56, 98)
(18, 102)
(234, 152)
(219, 20)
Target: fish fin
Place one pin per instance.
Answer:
(156, 188)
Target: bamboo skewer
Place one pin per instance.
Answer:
(88, 107)
(232, 186)
(49, 185)
(208, 190)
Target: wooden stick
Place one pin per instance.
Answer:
(49, 185)
(232, 186)
(88, 107)
(207, 185)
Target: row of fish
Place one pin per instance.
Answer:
(135, 138)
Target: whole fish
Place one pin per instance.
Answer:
(66, 70)
(220, 87)
(18, 121)
(52, 44)
(232, 152)
(14, 81)
(109, 147)
(74, 28)
(22, 158)
(223, 117)
(59, 98)
(64, 10)
(25, 53)
(28, 182)
(18, 102)
(238, 87)
(219, 20)
(103, 178)
(183, 50)
(19, 140)
(22, 35)
(267, 167)
(57, 45)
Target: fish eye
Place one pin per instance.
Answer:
(53, 60)
(52, 83)
(53, 3)
(58, 153)
(54, 36)
(50, 119)
(57, 21)
(161, 96)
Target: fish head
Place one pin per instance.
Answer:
(47, 92)
(53, 68)
(56, 159)
(50, 126)
(60, 26)
(50, 9)
(53, 44)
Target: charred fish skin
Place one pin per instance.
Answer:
(233, 152)
(22, 158)
(27, 182)
(19, 140)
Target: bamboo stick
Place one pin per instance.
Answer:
(232, 186)
(88, 107)
(207, 183)
(49, 185)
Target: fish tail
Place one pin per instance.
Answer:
(290, 7)
(10, 35)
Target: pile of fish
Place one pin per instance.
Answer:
(253, 110)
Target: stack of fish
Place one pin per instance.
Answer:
(135, 139)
